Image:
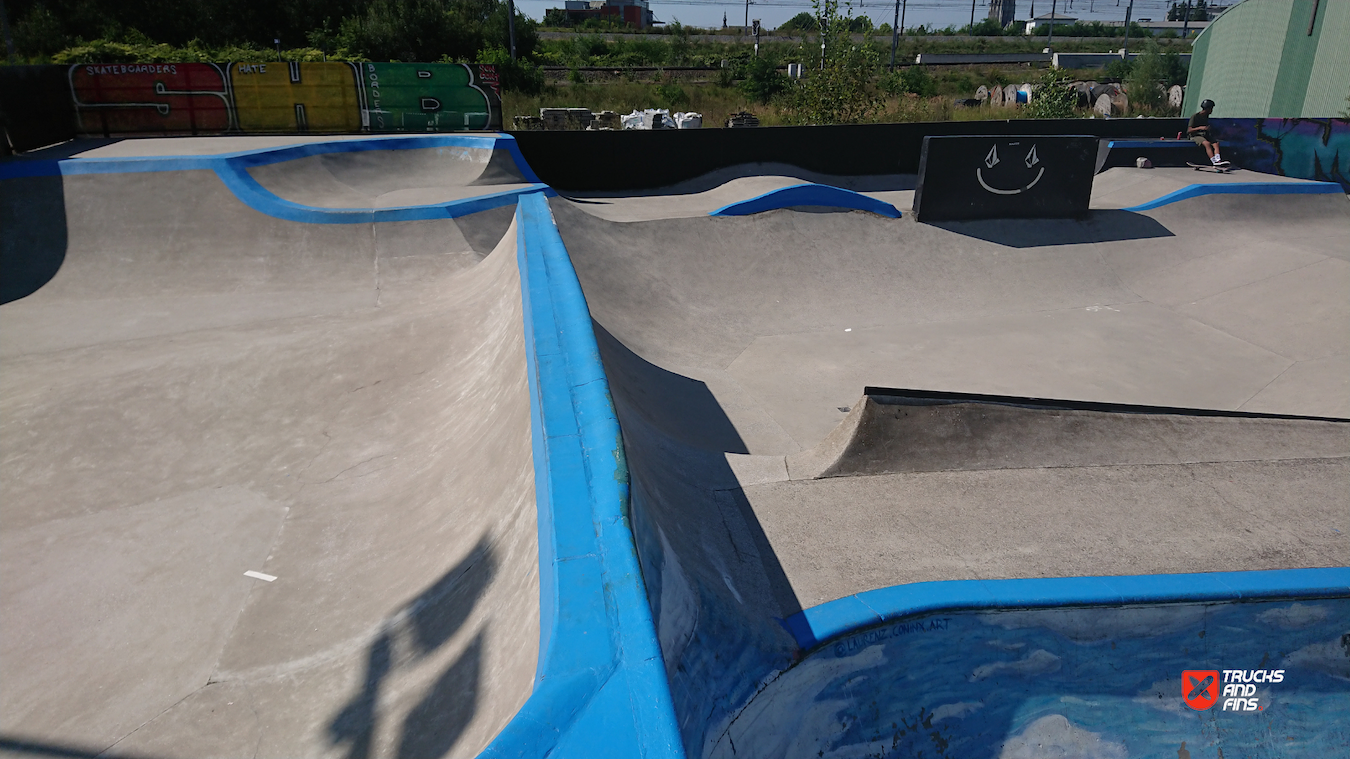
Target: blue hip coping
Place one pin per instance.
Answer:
(232, 169)
(1138, 144)
(600, 686)
(808, 194)
(1240, 188)
(820, 624)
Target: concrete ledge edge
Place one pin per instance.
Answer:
(819, 625)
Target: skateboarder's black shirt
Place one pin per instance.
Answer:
(1200, 119)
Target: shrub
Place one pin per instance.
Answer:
(672, 95)
(1054, 97)
(762, 80)
(1146, 78)
(840, 92)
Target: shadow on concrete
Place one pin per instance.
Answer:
(716, 587)
(33, 245)
(13, 745)
(681, 407)
(434, 725)
(1098, 226)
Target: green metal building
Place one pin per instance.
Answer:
(1274, 59)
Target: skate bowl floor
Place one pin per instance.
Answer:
(609, 475)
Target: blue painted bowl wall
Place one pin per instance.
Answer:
(1087, 682)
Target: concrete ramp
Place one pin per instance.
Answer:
(203, 391)
(806, 542)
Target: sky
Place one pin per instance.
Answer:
(932, 13)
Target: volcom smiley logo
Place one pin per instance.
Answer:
(1010, 175)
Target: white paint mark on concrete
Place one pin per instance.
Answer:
(259, 576)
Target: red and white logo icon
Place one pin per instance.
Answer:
(1200, 688)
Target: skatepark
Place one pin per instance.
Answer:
(753, 464)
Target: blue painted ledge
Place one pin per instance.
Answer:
(819, 624)
(232, 169)
(809, 194)
(600, 687)
(1240, 188)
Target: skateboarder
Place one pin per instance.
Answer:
(1199, 132)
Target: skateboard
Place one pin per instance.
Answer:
(1221, 168)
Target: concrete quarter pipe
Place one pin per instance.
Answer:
(865, 487)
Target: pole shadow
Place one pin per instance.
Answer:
(408, 636)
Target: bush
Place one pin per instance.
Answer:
(516, 76)
(672, 95)
(840, 92)
(762, 80)
(1145, 80)
(1054, 96)
(914, 80)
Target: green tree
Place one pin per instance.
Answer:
(840, 91)
(802, 22)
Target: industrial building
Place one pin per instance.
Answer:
(1274, 58)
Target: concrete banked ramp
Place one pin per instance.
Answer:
(882, 477)
(203, 390)
(778, 506)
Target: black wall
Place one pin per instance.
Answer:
(35, 106)
(624, 160)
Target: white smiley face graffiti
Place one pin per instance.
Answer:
(1010, 175)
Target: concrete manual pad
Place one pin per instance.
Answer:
(1072, 354)
(202, 391)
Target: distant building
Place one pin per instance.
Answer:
(634, 13)
(1003, 11)
(1041, 24)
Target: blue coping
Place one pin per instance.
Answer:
(808, 194)
(1137, 144)
(1241, 188)
(600, 685)
(819, 624)
(232, 169)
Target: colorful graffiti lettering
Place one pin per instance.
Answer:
(150, 97)
(423, 97)
(1304, 148)
(208, 98)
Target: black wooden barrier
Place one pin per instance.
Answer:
(635, 159)
(1005, 177)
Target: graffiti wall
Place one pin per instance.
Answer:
(1178, 681)
(1303, 148)
(209, 98)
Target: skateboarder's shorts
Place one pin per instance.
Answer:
(1201, 138)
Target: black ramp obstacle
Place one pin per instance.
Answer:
(1004, 177)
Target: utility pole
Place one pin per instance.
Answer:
(511, 25)
(747, 16)
(1125, 49)
(1186, 20)
(972, 17)
(895, 32)
(1054, 4)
